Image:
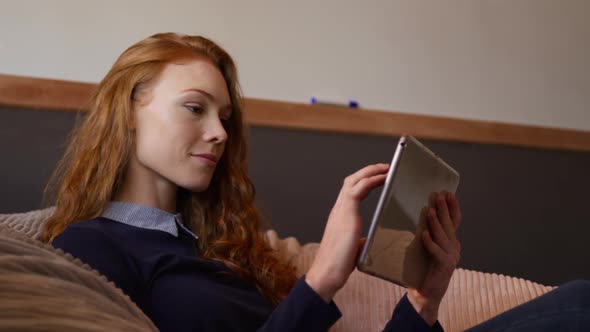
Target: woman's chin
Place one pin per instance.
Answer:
(195, 187)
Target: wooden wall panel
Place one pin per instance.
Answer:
(46, 94)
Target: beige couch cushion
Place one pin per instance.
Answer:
(366, 302)
(28, 223)
(43, 289)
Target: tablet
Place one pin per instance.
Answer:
(393, 250)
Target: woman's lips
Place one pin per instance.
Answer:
(206, 158)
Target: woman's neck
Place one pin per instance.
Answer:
(144, 186)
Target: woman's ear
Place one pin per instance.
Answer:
(140, 97)
(132, 118)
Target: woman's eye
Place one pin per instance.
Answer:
(195, 109)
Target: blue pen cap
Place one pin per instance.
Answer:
(351, 103)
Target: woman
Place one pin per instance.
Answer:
(153, 192)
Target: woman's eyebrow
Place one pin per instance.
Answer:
(203, 92)
(225, 109)
(207, 94)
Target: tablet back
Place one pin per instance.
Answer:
(393, 250)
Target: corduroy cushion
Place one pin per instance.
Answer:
(367, 302)
(28, 223)
(42, 287)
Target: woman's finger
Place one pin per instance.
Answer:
(433, 248)
(432, 200)
(365, 172)
(436, 230)
(445, 261)
(444, 217)
(454, 210)
(364, 186)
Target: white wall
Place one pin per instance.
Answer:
(518, 61)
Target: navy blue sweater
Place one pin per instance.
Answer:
(179, 291)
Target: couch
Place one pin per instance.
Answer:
(42, 288)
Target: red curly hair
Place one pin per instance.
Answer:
(93, 168)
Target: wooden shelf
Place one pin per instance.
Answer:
(58, 95)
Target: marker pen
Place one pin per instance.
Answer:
(350, 103)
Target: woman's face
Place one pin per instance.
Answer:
(180, 120)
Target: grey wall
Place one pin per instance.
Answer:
(525, 210)
(31, 144)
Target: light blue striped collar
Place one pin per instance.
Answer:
(148, 217)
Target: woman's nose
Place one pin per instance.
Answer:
(216, 132)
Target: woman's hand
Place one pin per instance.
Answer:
(336, 256)
(443, 217)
